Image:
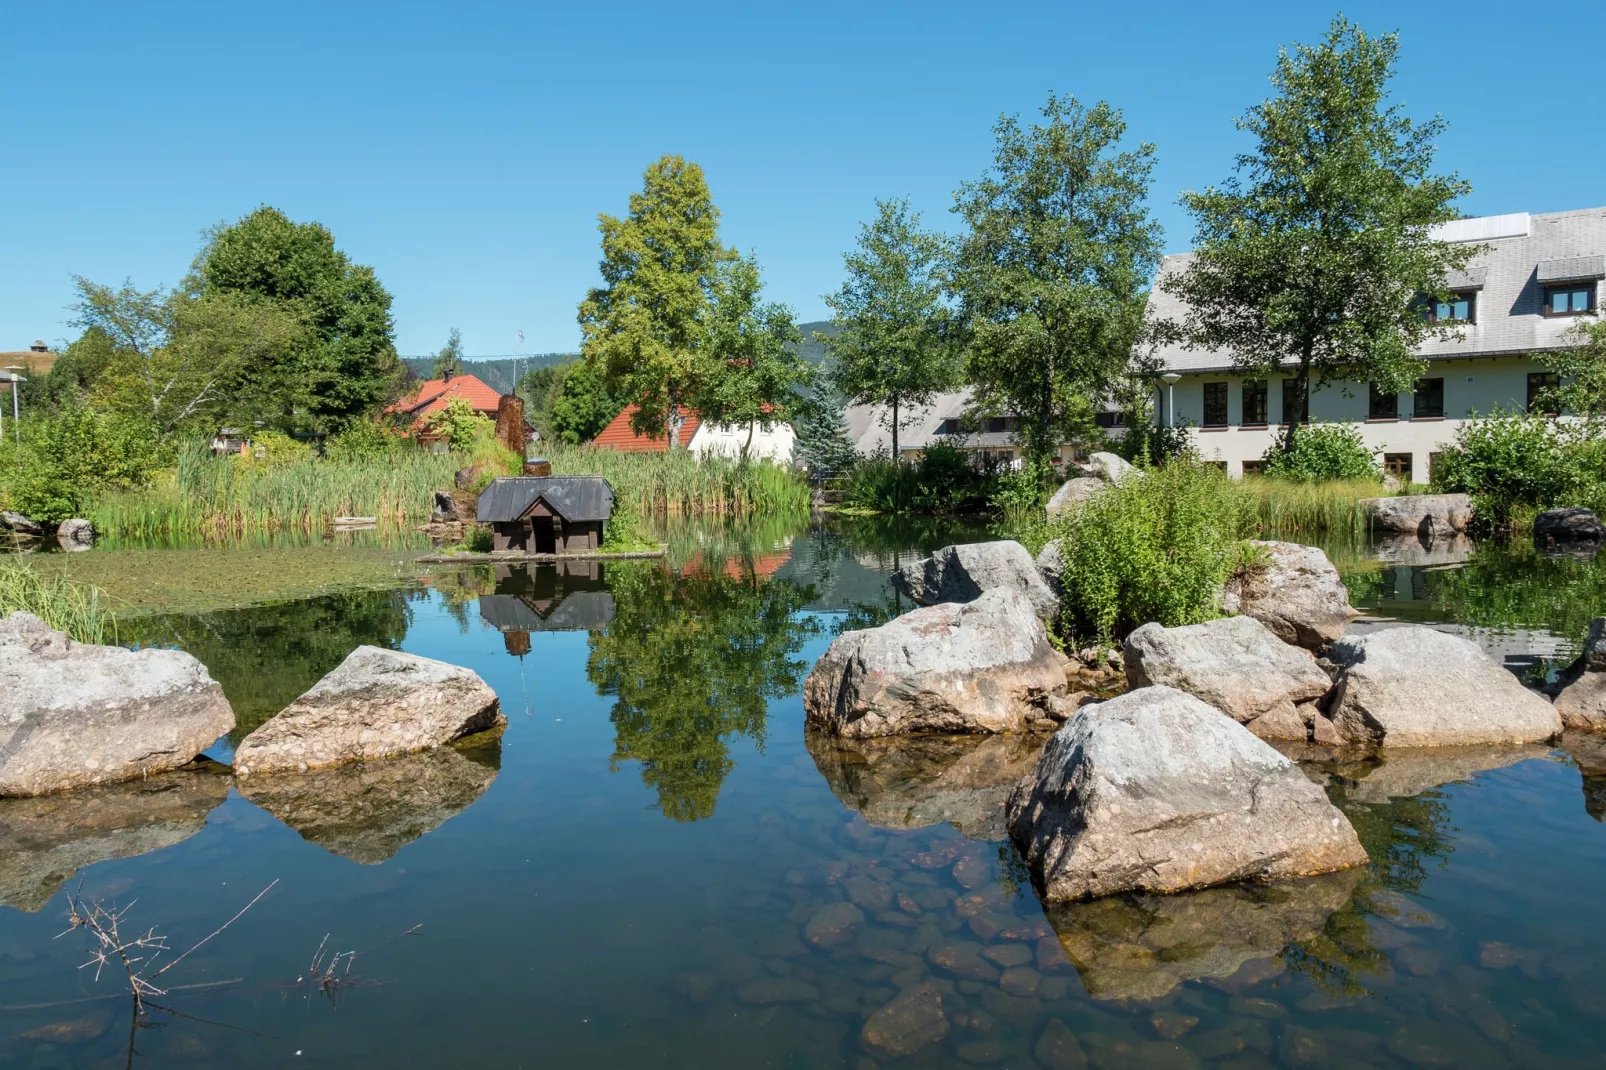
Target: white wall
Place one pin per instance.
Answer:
(776, 444)
(1471, 385)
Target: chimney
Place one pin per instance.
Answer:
(38, 346)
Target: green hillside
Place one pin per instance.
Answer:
(497, 374)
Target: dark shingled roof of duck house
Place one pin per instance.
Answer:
(582, 611)
(577, 499)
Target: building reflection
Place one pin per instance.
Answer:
(570, 596)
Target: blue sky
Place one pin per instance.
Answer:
(465, 149)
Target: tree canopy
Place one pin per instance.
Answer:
(754, 371)
(891, 348)
(1318, 250)
(644, 329)
(1052, 274)
(449, 361)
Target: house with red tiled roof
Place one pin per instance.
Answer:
(433, 395)
(701, 438)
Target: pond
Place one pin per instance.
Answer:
(656, 866)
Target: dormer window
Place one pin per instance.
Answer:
(1459, 308)
(1569, 298)
(950, 426)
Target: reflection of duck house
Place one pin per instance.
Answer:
(546, 514)
(567, 597)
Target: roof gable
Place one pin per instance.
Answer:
(577, 499)
(619, 435)
(435, 394)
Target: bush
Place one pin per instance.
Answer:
(364, 440)
(1511, 462)
(942, 480)
(461, 426)
(68, 459)
(1158, 548)
(1321, 452)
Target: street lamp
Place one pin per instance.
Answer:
(1170, 381)
(16, 389)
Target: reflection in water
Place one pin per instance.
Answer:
(1588, 749)
(912, 782)
(367, 811)
(566, 597)
(267, 656)
(1405, 771)
(1142, 946)
(44, 841)
(1418, 550)
(692, 660)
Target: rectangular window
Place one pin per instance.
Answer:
(1569, 299)
(1398, 465)
(1291, 400)
(1109, 419)
(1429, 398)
(996, 424)
(950, 426)
(1215, 405)
(1539, 384)
(1380, 404)
(1254, 468)
(1458, 309)
(1254, 402)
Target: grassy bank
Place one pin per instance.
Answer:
(1279, 508)
(81, 610)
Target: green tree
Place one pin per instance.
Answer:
(891, 347)
(1053, 272)
(583, 405)
(449, 361)
(460, 425)
(822, 434)
(1580, 373)
(346, 367)
(645, 327)
(1317, 253)
(754, 372)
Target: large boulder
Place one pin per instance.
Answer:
(1419, 514)
(1157, 792)
(1413, 686)
(1236, 665)
(19, 524)
(376, 704)
(75, 535)
(1582, 700)
(1051, 566)
(981, 666)
(1111, 468)
(1298, 595)
(1566, 526)
(74, 714)
(961, 573)
(1073, 494)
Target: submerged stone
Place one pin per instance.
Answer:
(912, 1020)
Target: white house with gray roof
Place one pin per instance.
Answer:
(1537, 278)
(950, 418)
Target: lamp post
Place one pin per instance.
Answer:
(1170, 381)
(16, 389)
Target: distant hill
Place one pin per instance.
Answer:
(812, 350)
(498, 374)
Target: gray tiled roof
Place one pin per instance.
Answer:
(578, 499)
(580, 611)
(1509, 318)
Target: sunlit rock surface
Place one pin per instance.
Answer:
(367, 811)
(45, 841)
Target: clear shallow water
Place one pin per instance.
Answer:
(656, 867)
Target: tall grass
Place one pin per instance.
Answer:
(1281, 507)
(80, 610)
(679, 484)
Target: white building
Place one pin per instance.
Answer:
(1538, 276)
(949, 419)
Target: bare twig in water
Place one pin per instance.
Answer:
(137, 955)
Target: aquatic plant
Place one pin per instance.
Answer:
(81, 610)
(677, 483)
(1274, 507)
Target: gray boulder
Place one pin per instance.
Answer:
(1413, 686)
(446, 509)
(1051, 566)
(1298, 595)
(75, 534)
(961, 573)
(376, 704)
(20, 524)
(981, 666)
(1236, 665)
(73, 714)
(1582, 700)
(1419, 514)
(1155, 791)
(1568, 525)
(1073, 494)
(1111, 468)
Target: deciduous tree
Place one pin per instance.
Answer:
(1317, 252)
(754, 372)
(449, 361)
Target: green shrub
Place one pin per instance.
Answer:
(1323, 451)
(1511, 462)
(1157, 548)
(461, 426)
(68, 459)
(478, 538)
(365, 440)
(942, 480)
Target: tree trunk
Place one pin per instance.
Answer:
(748, 445)
(1302, 411)
(673, 419)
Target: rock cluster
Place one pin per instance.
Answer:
(1298, 595)
(1156, 791)
(961, 573)
(73, 715)
(979, 666)
(376, 704)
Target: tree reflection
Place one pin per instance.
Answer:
(693, 660)
(265, 657)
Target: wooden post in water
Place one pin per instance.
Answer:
(510, 423)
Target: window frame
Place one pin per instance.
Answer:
(1261, 389)
(1418, 410)
(1226, 415)
(1472, 307)
(1399, 466)
(1291, 390)
(1590, 287)
(1375, 398)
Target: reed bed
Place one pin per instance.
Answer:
(679, 484)
(81, 610)
(1277, 507)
